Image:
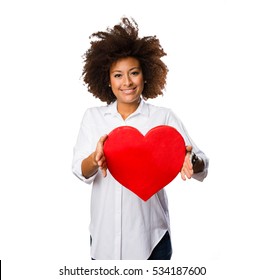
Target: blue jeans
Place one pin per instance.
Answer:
(163, 249)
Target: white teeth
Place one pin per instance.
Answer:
(128, 91)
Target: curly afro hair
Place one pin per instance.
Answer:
(119, 42)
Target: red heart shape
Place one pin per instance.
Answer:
(144, 164)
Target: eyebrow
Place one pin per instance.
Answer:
(133, 68)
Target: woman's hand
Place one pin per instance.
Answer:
(187, 167)
(99, 156)
(95, 160)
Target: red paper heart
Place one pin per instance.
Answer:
(144, 164)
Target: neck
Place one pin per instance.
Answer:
(126, 109)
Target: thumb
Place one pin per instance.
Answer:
(103, 138)
(188, 149)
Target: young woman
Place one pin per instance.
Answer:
(125, 70)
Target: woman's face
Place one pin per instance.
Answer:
(126, 80)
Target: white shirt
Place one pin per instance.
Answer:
(123, 226)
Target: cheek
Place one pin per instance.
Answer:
(115, 89)
(139, 81)
(114, 84)
(142, 84)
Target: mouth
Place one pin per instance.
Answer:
(128, 90)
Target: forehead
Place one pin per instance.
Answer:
(125, 63)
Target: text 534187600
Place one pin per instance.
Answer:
(181, 270)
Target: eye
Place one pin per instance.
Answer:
(117, 75)
(135, 73)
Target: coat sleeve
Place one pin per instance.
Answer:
(83, 148)
(174, 121)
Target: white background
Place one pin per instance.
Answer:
(215, 57)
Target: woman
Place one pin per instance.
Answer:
(125, 70)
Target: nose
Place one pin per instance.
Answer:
(127, 80)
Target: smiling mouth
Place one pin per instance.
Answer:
(128, 91)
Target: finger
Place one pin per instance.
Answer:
(99, 157)
(103, 165)
(101, 162)
(103, 138)
(100, 154)
(100, 148)
(188, 149)
(183, 176)
(104, 172)
(186, 173)
(189, 164)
